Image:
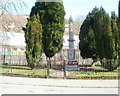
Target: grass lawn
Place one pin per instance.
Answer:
(22, 70)
(102, 75)
(97, 73)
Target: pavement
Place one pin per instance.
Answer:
(20, 85)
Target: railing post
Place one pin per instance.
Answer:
(64, 69)
(48, 67)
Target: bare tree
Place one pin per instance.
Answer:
(7, 7)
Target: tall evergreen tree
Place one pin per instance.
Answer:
(118, 23)
(33, 38)
(104, 40)
(53, 28)
(88, 46)
(87, 42)
(115, 33)
(103, 34)
(52, 19)
(96, 40)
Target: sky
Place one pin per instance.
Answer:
(76, 7)
(73, 7)
(80, 7)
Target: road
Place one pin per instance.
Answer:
(19, 85)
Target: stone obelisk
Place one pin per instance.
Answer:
(71, 51)
(72, 64)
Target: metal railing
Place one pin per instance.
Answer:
(88, 68)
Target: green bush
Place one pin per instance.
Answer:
(110, 65)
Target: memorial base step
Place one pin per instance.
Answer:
(72, 68)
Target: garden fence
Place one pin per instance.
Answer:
(99, 69)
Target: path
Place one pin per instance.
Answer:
(18, 85)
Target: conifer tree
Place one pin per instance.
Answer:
(87, 44)
(115, 33)
(33, 38)
(118, 23)
(103, 35)
(96, 38)
(52, 19)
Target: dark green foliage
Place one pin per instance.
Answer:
(115, 33)
(53, 28)
(110, 64)
(118, 23)
(52, 19)
(103, 35)
(99, 37)
(33, 38)
(87, 43)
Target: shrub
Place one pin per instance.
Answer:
(110, 65)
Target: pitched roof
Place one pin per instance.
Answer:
(12, 23)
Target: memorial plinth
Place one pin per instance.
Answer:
(72, 66)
